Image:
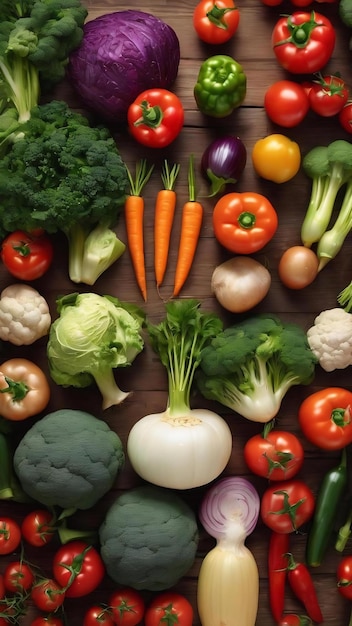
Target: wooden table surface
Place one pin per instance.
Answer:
(252, 48)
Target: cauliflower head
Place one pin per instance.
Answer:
(24, 315)
(149, 538)
(69, 458)
(330, 339)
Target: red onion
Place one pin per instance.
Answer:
(223, 162)
(230, 499)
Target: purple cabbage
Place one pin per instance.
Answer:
(122, 54)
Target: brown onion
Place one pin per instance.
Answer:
(240, 283)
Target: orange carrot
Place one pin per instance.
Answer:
(134, 217)
(192, 217)
(165, 206)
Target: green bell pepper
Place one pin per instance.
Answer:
(221, 86)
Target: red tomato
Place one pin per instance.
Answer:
(328, 95)
(98, 616)
(27, 256)
(291, 619)
(169, 608)
(344, 577)
(2, 587)
(155, 118)
(286, 103)
(272, 3)
(18, 577)
(216, 21)
(287, 505)
(37, 527)
(47, 620)
(47, 595)
(325, 418)
(303, 42)
(10, 535)
(277, 455)
(244, 222)
(79, 567)
(345, 117)
(127, 606)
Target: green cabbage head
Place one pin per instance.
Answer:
(92, 336)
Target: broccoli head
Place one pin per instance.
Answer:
(149, 538)
(64, 175)
(68, 476)
(250, 366)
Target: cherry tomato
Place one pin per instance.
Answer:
(286, 103)
(344, 577)
(25, 389)
(244, 222)
(325, 418)
(78, 566)
(287, 505)
(47, 595)
(127, 606)
(291, 619)
(303, 42)
(298, 267)
(155, 118)
(18, 577)
(47, 620)
(168, 608)
(98, 616)
(216, 21)
(328, 95)
(276, 158)
(37, 527)
(27, 256)
(276, 455)
(10, 535)
(345, 117)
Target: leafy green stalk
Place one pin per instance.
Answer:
(329, 167)
(333, 239)
(179, 340)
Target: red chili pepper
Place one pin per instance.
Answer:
(302, 586)
(279, 546)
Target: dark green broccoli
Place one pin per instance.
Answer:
(68, 476)
(250, 366)
(36, 38)
(64, 175)
(345, 12)
(149, 538)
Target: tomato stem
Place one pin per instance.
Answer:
(246, 220)
(18, 389)
(216, 16)
(152, 116)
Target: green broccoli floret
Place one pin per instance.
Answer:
(36, 39)
(93, 335)
(149, 538)
(249, 367)
(73, 476)
(64, 175)
(329, 167)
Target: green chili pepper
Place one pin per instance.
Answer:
(327, 506)
(221, 86)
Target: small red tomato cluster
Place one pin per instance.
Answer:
(287, 102)
(77, 570)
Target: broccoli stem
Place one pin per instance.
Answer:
(22, 80)
(101, 249)
(332, 240)
(320, 208)
(76, 237)
(110, 391)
